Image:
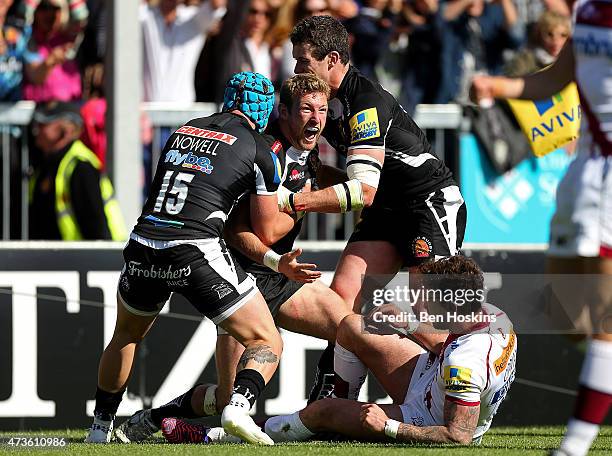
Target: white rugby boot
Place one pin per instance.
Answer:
(236, 421)
(100, 431)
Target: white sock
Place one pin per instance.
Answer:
(287, 428)
(350, 369)
(578, 437)
(597, 366)
(238, 400)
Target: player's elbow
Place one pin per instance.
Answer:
(266, 234)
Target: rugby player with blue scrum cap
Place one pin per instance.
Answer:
(177, 246)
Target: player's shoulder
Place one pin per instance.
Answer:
(362, 89)
(468, 349)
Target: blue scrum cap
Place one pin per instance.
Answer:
(252, 94)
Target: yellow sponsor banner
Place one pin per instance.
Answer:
(549, 123)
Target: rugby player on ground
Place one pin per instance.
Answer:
(311, 309)
(448, 393)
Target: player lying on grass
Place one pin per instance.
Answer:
(312, 308)
(448, 394)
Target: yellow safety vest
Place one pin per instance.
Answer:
(66, 221)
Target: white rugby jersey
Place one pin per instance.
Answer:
(472, 369)
(592, 42)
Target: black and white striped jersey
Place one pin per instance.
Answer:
(365, 116)
(205, 166)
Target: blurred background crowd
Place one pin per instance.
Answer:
(422, 51)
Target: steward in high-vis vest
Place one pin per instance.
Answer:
(71, 199)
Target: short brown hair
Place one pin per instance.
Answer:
(324, 34)
(454, 273)
(302, 84)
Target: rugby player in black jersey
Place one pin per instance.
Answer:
(413, 210)
(310, 308)
(177, 246)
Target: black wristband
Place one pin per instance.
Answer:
(291, 202)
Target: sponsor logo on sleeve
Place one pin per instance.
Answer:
(364, 125)
(457, 379)
(501, 363)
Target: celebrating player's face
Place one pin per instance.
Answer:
(306, 120)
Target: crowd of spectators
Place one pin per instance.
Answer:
(423, 51)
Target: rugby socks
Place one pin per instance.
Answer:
(287, 428)
(107, 404)
(350, 373)
(247, 387)
(179, 407)
(594, 399)
(324, 377)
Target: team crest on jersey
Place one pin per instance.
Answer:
(457, 378)
(421, 247)
(189, 160)
(364, 125)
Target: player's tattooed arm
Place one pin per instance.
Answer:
(261, 354)
(461, 422)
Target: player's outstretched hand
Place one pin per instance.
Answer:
(300, 272)
(373, 418)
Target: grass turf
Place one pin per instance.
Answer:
(498, 441)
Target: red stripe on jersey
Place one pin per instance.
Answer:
(596, 13)
(461, 401)
(599, 137)
(487, 362)
(605, 251)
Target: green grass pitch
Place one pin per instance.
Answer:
(498, 441)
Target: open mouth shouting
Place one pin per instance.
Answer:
(311, 133)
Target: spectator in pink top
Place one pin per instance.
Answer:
(58, 76)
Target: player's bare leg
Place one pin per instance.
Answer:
(359, 259)
(326, 415)
(314, 310)
(252, 326)
(115, 369)
(391, 359)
